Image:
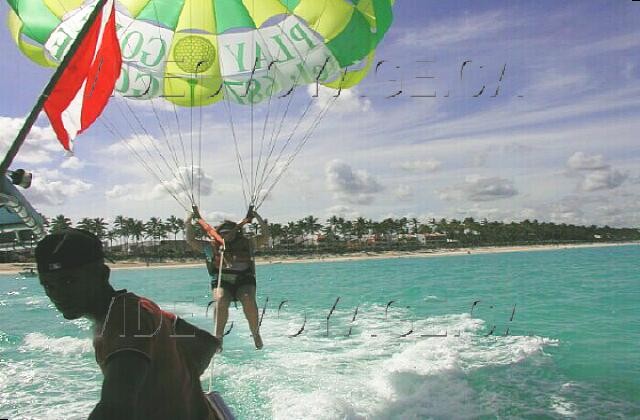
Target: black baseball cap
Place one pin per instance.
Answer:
(68, 248)
(227, 226)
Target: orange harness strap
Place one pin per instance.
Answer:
(211, 232)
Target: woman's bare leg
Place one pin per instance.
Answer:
(247, 296)
(222, 307)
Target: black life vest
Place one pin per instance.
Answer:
(238, 258)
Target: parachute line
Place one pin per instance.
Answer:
(266, 173)
(116, 133)
(172, 150)
(278, 130)
(155, 146)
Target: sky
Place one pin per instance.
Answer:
(541, 122)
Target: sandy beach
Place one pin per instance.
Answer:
(16, 268)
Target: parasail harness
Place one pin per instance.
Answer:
(218, 243)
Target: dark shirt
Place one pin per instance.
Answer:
(239, 259)
(178, 354)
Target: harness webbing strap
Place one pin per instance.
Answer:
(215, 311)
(211, 232)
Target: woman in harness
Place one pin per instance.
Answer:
(238, 280)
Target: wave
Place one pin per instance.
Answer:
(374, 373)
(61, 345)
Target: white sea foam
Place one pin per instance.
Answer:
(47, 389)
(187, 309)
(62, 345)
(562, 406)
(374, 373)
(82, 323)
(320, 405)
(36, 301)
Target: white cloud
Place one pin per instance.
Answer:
(479, 212)
(403, 192)
(351, 186)
(72, 162)
(429, 165)
(185, 179)
(39, 146)
(217, 217)
(629, 70)
(580, 161)
(133, 192)
(623, 42)
(567, 210)
(137, 143)
(624, 214)
(144, 192)
(345, 212)
(488, 189)
(349, 100)
(54, 188)
(479, 188)
(479, 159)
(457, 30)
(603, 180)
(558, 80)
(595, 173)
(179, 186)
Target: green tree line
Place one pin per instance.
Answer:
(164, 237)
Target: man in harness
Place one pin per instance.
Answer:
(238, 281)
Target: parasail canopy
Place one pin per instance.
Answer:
(195, 52)
(244, 53)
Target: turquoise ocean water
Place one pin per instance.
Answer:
(572, 351)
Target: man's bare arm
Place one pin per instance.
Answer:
(123, 378)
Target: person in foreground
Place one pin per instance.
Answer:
(238, 281)
(151, 360)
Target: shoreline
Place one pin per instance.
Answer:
(16, 268)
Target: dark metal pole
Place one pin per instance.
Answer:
(31, 119)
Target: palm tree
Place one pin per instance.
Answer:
(85, 224)
(154, 229)
(311, 225)
(292, 232)
(174, 225)
(332, 224)
(402, 224)
(276, 231)
(120, 223)
(415, 225)
(442, 226)
(135, 229)
(99, 227)
(111, 235)
(340, 226)
(59, 223)
(360, 227)
(347, 229)
(388, 228)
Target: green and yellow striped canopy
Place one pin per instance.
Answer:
(196, 52)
